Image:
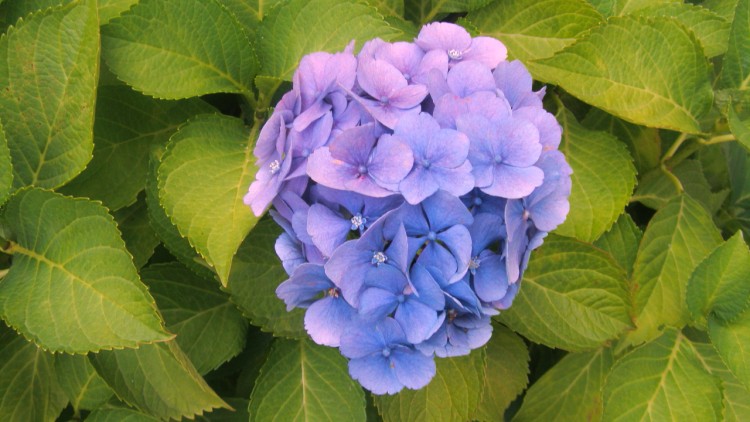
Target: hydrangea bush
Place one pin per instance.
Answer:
(374, 210)
(412, 182)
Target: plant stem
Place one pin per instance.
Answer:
(668, 155)
(717, 139)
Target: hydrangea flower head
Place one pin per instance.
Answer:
(412, 182)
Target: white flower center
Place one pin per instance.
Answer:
(358, 222)
(275, 166)
(455, 54)
(379, 258)
(474, 264)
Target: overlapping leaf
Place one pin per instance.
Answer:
(58, 292)
(210, 330)
(643, 142)
(127, 126)
(28, 388)
(535, 29)
(6, 168)
(573, 296)
(736, 398)
(662, 380)
(80, 382)
(303, 381)
(256, 272)
(452, 395)
(649, 72)
(139, 237)
(732, 342)
(50, 65)
(622, 241)
(178, 49)
(157, 379)
(570, 391)
(603, 179)
(203, 177)
(735, 68)
(424, 11)
(678, 237)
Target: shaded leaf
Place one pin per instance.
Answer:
(6, 168)
(573, 296)
(735, 68)
(648, 72)
(256, 272)
(53, 293)
(210, 330)
(535, 29)
(203, 176)
(119, 414)
(424, 11)
(732, 340)
(736, 398)
(452, 395)
(28, 387)
(622, 241)
(603, 179)
(80, 382)
(180, 49)
(158, 379)
(303, 381)
(506, 373)
(137, 233)
(570, 391)
(127, 126)
(51, 63)
(677, 238)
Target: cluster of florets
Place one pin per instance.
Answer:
(411, 181)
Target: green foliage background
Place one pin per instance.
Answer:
(137, 286)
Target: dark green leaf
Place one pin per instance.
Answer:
(57, 291)
(210, 330)
(6, 168)
(204, 174)
(49, 71)
(80, 382)
(662, 380)
(128, 125)
(573, 296)
(603, 179)
(158, 379)
(453, 395)
(179, 49)
(256, 272)
(424, 11)
(303, 381)
(677, 238)
(736, 397)
(28, 387)
(532, 29)
(624, 7)
(110, 413)
(570, 391)
(137, 233)
(735, 69)
(506, 373)
(649, 72)
(732, 342)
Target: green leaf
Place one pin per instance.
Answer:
(127, 126)
(622, 241)
(256, 272)
(388, 7)
(252, 359)
(178, 49)
(738, 206)
(533, 29)
(735, 68)
(711, 29)
(643, 142)
(655, 189)
(165, 229)
(210, 330)
(28, 387)
(238, 414)
(719, 285)
(119, 414)
(648, 72)
(158, 379)
(424, 11)
(55, 296)
(573, 296)
(83, 386)
(6, 168)
(677, 238)
(723, 8)
(570, 391)
(736, 398)
(139, 237)
(662, 380)
(732, 340)
(298, 27)
(623, 7)
(49, 73)
(738, 116)
(506, 373)
(452, 395)
(204, 174)
(249, 13)
(303, 381)
(110, 9)
(603, 179)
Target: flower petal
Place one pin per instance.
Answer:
(327, 319)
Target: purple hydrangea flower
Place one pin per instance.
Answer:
(383, 360)
(456, 43)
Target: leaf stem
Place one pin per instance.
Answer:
(667, 156)
(717, 139)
